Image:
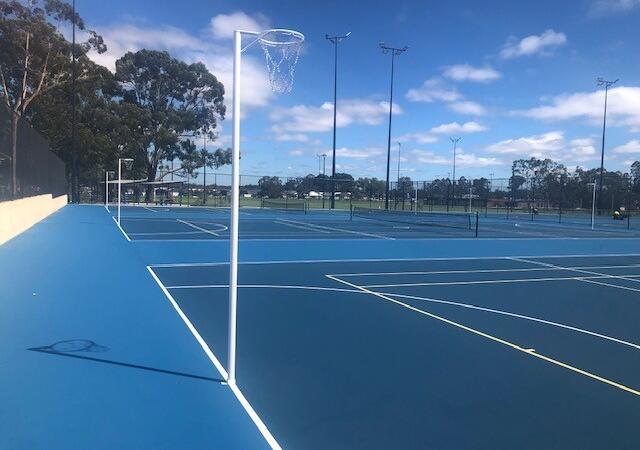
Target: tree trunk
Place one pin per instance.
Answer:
(14, 154)
(152, 169)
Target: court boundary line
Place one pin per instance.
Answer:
(447, 272)
(618, 277)
(530, 352)
(196, 227)
(459, 258)
(300, 227)
(426, 299)
(341, 230)
(123, 232)
(262, 427)
(161, 233)
(502, 281)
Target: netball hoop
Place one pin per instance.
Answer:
(281, 49)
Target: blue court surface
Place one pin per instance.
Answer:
(353, 333)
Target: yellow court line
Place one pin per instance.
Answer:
(530, 352)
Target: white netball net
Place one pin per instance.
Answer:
(281, 50)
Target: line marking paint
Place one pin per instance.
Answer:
(444, 272)
(204, 230)
(455, 283)
(492, 338)
(300, 227)
(352, 260)
(123, 232)
(341, 230)
(212, 357)
(414, 297)
(599, 274)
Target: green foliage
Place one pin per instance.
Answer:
(270, 187)
(165, 98)
(34, 55)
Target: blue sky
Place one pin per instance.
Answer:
(513, 79)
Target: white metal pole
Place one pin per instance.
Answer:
(235, 206)
(106, 190)
(415, 200)
(470, 192)
(593, 207)
(119, 186)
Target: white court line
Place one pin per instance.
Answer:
(413, 297)
(212, 357)
(300, 227)
(618, 277)
(149, 209)
(526, 351)
(341, 230)
(164, 233)
(438, 272)
(589, 280)
(504, 281)
(123, 232)
(356, 260)
(204, 230)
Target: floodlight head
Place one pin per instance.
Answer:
(348, 34)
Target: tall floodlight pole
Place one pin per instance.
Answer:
(455, 147)
(324, 175)
(593, 204)
(399, 149)
(335, 40)
(106, 188)
(120, 161)
(607, 84)
(204, 171)
(394, 52)
(75, 194)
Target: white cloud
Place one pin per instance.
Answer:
(358, 154)
(433, 90)
(548, 145)
(429, 157)
(305, 119)
(468, 107)
(433, 134)
(462, 159)
(465, 72)
(582, 150)
(610, 7)
(420, 138)
(456, 128)
(296, 152)
(222, 26)
(295, 137)
(124, 38)
(534, 44)
(630, 147)
(537, 146)
(471, 160)
(216, 55)
(623, 107)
